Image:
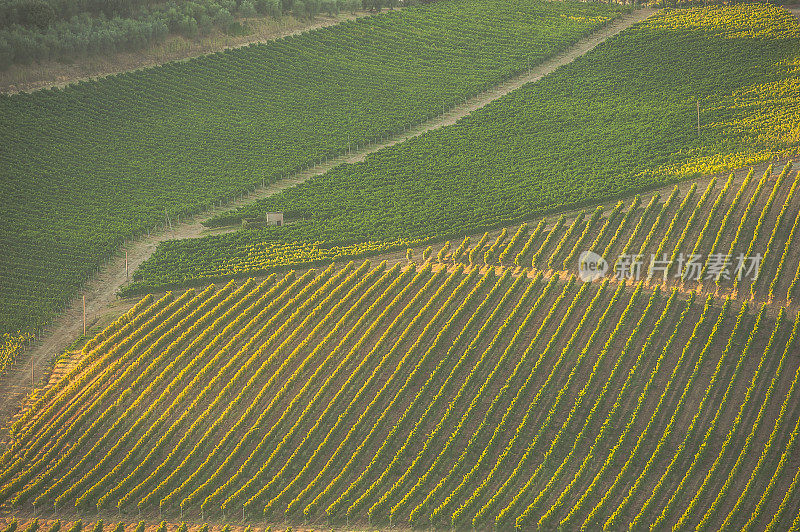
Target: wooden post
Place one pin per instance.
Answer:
(126, 264)
(84, 315)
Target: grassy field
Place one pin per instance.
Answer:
(620, 119)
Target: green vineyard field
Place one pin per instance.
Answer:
(620, 119)
(576, 308)
(85, 167)
(740, 230)
(425, 396)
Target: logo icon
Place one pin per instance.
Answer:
(591, 266)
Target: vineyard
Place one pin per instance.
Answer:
(37, 525)
(576, 308)
(85, 167)
(728, 237)
(425, 396)
(11, 346)
(620, 119)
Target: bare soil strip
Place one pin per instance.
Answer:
(100, 292)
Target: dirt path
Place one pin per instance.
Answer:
(102, 304)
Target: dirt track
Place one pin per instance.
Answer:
(102, 303)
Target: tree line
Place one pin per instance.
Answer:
(40, 30)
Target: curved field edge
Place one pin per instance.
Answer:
(421, 396)
(621, 118)
(97, 162)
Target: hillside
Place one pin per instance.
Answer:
(620, 119)
(571, 302)
(726, 236)
(420, 395)
(86, 167)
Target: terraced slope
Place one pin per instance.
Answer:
(425, 396)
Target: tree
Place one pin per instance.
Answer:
(188, 27)
(6, 54)
(223, 19)
(330, 7)
(204, 23)
(247, 9)
(312, 8)
(36, 13)
(269, 7)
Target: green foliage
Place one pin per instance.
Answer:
(11, 346)
(440, 257)
(618, 120)
(429, 398)
(36, 30)
(36, 13)
(82, 168)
